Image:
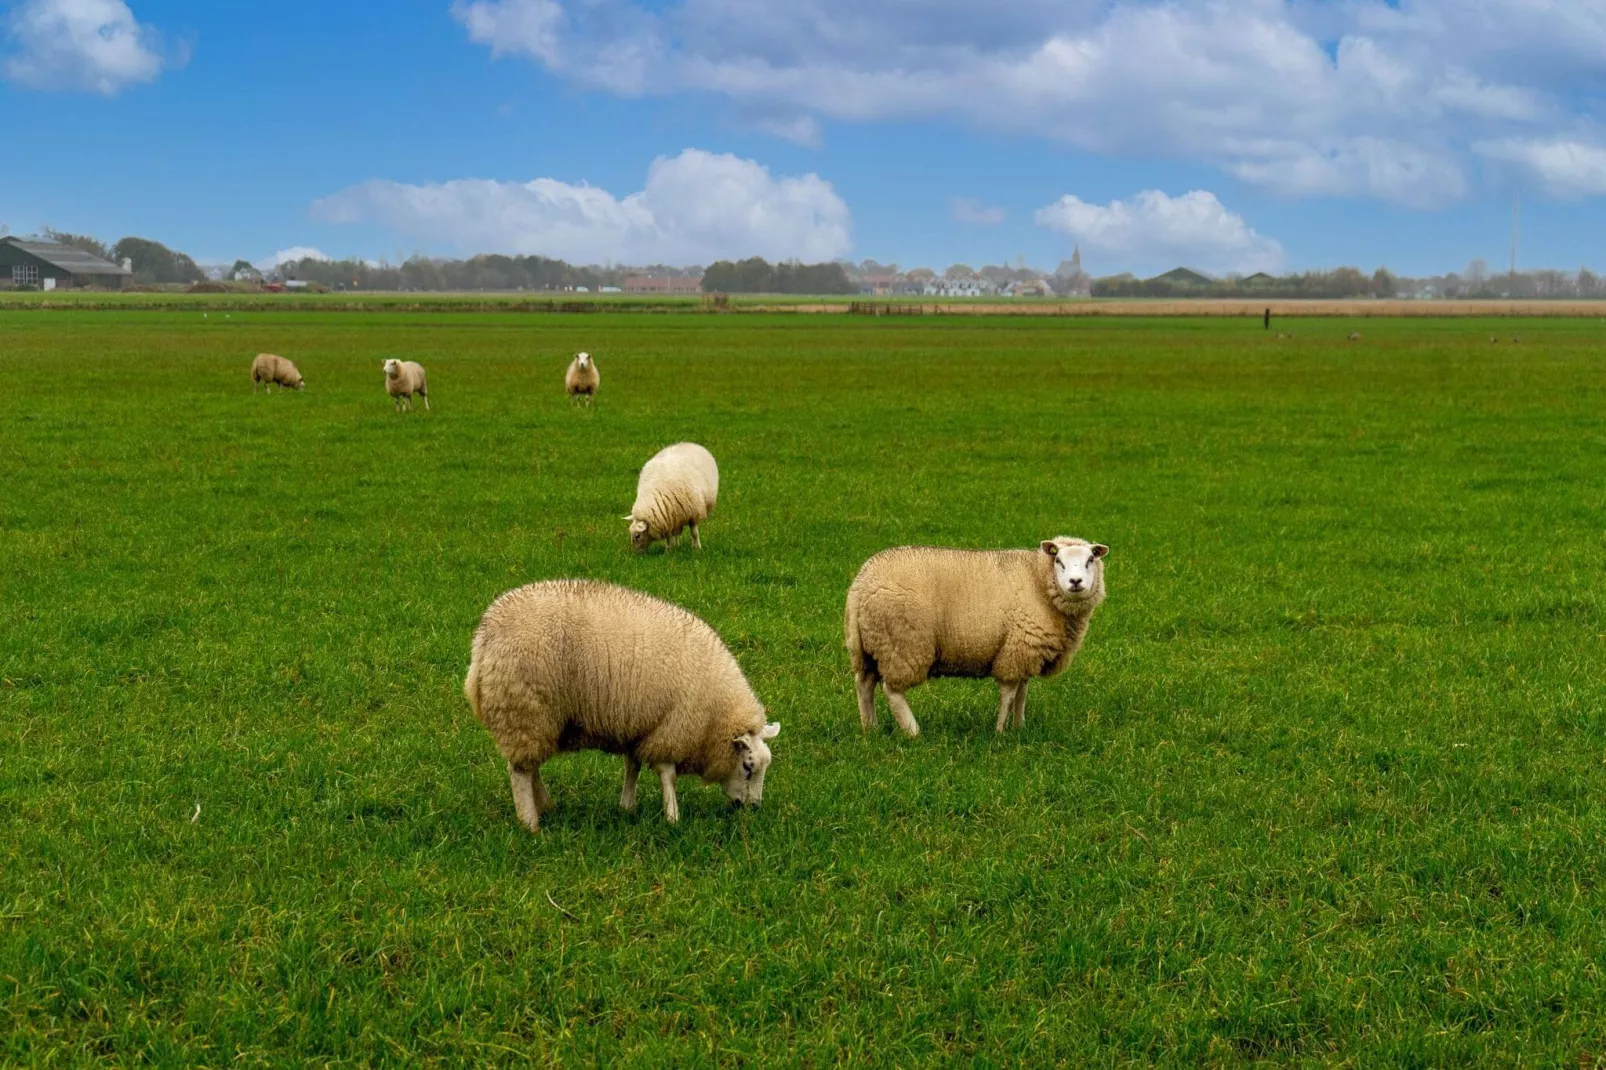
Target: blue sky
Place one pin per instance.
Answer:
(1257, 134)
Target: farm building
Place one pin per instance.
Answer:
(49, 266)
(662, 284)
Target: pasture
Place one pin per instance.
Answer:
(1326, 785)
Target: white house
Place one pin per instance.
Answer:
(968, 287)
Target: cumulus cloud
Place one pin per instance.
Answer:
(695, 208)
(969, 210)
(87, 45)
(1378, 98)
(290, 256)
(1565, 168)
(1154, 231)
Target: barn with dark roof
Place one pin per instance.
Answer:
(48, 265)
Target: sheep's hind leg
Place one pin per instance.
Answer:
(627, 798)
(524, 796)
(901, 711)
(666, 777)
(1020, 704)
(865, 683)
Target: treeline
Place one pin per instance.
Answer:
(153, 262)
(1338, 283)
(493, 272)
(756, 275)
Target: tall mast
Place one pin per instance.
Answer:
(1514, 212)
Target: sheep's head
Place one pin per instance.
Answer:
(583, 360)
(1078, 568)
(640, 540)
(745, 785)
(392, 368)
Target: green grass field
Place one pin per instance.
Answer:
(1327, 784)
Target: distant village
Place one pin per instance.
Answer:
(57, 260)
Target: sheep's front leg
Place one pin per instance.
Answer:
(543, 797)
(865, 683)
(901, 711)
(696, 538)
(627, 798)
(1006, 702)
(1020, 704)
(666, 777)
(524, 795)
(426, 402)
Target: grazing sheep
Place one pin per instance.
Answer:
(917, 612)
(582, 379)
(677, 489)
(571, 665)
(268, 369)
(403, 379)
(1355, 336)
(1493, 338)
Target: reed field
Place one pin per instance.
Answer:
(1326, 785)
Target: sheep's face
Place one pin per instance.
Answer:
(392, 368)
(639, 539)
(583, 361)
(1078, 568)
(745, 785)
(300, 383)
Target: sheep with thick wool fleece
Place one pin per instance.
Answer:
(570, 665)
(403, 379)
(677, 489)
(270, 368)
(916, 612)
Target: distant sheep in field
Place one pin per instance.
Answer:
(571, 665)
(1355, 336)
(268, 369)
(917, 612)
(677, 489)
(403, 379)
(582, 379)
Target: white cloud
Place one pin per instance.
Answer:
(1564, 168)
(90, 45)
(695, 208)
(1155, 232)
(289, 256)
(1378, 98)
(801, 130)
(969, 210)
(528, 27)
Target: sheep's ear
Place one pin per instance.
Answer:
(740, 743)
(770, 731)
(1050, 547)
(627, 516)
(1099, 549)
